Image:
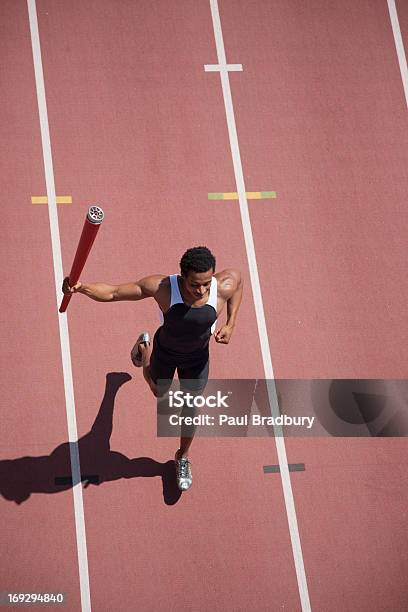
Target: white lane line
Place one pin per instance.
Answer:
(259, 310)
(62, 318)
(399, 45)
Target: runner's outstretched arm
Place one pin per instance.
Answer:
(103, 292)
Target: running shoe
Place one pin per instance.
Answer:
(135, 353)
(183, 472)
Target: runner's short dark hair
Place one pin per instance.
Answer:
(197, 259)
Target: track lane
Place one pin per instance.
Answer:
(37, 516)
(150, 170)
(323, 114)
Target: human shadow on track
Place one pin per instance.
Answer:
(21, 477)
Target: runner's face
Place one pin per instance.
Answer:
(198, 283)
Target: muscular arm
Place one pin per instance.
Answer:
(230, 289)
(234, 302)
(102, 292)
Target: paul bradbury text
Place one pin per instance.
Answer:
(206, 420)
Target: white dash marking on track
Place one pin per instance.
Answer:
(259, 310)
(62, 318)
(399, 45)
(217, 68)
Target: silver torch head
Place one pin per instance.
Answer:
(95, 215)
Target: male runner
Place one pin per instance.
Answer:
(190, 305)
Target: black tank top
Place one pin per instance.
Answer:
(187, 330)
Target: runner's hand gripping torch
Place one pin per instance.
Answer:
(92, 223)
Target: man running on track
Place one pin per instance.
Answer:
(190, 305)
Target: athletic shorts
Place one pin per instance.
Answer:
(193, 374)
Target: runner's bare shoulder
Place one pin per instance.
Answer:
(154, 286)
(228, 281)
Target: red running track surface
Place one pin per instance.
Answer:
(138, 127)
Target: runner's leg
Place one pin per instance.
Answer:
(194, 380)
(146, 352)
(157, 370)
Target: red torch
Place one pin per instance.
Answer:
(92, 223)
